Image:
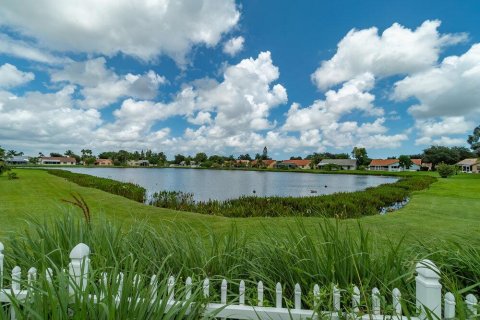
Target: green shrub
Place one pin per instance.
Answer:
(3, 167)
(128, 190)
(445, 170)
(12, 176)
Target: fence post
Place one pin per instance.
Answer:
(1, 264)
(78, 267)
(429, 289)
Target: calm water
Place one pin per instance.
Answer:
(225, 184)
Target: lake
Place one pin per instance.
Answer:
(230, 184)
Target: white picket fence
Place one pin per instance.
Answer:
(428, 295)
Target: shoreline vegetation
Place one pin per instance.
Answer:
(342, 205)
(125, 189)
(345, 205)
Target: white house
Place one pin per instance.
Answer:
(57, 160)
(138, 163)
(393, 165)
(18, 160)
(470, 165)
(345, 164)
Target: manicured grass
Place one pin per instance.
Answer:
(450, 208)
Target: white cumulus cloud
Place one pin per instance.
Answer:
(10, 76)
(398, 50)
(449, 89)
(144, 29)
(46, 120)
(233, 46)
(102, 86)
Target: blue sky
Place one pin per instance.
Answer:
(229, 77)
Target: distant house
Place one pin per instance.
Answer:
(242, 163)
(263, 163)
(302, 164)
(393, 165)
(419, 165)
(57, 160)
(384, 165)
(138, 163)
(345, 164)
(103, 162)
(469, 165)
(18, 160)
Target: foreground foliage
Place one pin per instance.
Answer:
(340, 205)
(334, 255)
(125, 189)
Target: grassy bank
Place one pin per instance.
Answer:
(449, 209)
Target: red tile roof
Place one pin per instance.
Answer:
(300, 163)
(61, 159)
(265, 162)
(383, 162)
(418, 162)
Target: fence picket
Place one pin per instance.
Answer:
(136, 281)
(206, 288)
(153, 287)
(241, 291)
(16, 276)
(336, 299)
(104, 286)
(376, 301)
(397, 305)
(188, 286)
(278, 295)
(356, 299)
(471, 302)
(1, 264)
(316, 296)
(223, 292)
(449, 306)
(31, 276)
(298, 297)
(260, 294)
(49, 275)
(171, 289)
(120, 284)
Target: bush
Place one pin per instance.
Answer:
(12, 176)
(445, 170)
(128, 190)
(3, 167)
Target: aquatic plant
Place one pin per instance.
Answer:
(343, 205)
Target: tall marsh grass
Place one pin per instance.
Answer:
(339, 205)
(333, 254)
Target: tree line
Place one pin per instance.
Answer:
(435, 155)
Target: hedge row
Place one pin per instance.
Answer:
(128, 190)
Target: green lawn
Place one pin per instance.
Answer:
(449, 209)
